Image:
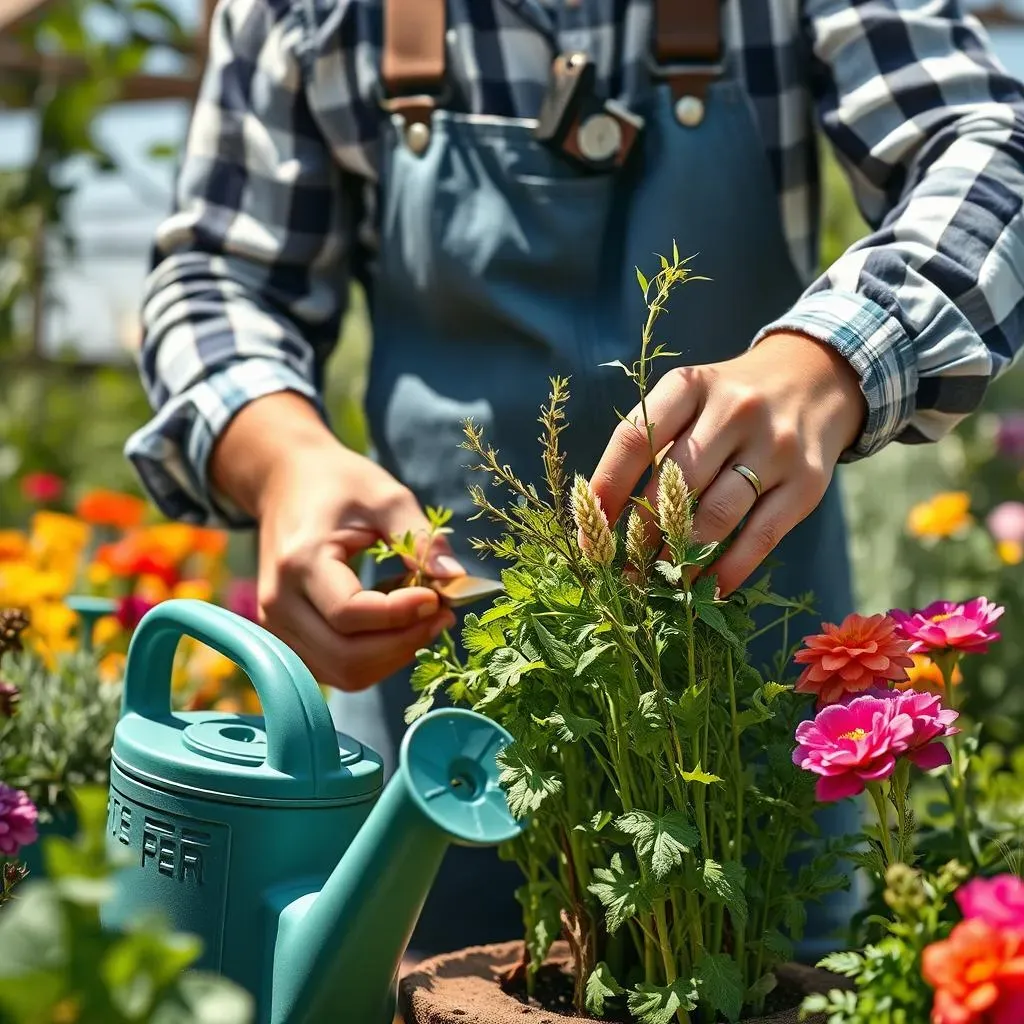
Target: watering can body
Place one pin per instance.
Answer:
(270, 838)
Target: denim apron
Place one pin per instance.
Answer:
(503, 264)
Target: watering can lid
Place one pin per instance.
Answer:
(225, 755)
(292, 753)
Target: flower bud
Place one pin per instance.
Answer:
(675, 506)
(638, 548)
(596, 538)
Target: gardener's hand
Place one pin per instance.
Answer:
(317, 505)
(787, 409)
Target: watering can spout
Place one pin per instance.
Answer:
(338, 951)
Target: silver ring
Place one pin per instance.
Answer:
(750, 476)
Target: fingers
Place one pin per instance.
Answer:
(773, 516)
(724, 504)
(360, 661)
(672, 405)
(333, 589)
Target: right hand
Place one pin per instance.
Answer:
(318, 505)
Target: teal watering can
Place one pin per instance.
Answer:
(269, 837)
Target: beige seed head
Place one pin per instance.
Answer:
(596, 538)
(675, 507)
(637, 546)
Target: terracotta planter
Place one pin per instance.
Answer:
(463, 988)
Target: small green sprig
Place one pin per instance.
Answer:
(887, 986)
(414, 548)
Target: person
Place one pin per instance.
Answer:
(491, 171)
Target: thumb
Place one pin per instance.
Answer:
(435, 555)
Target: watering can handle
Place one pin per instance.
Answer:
(301, 740)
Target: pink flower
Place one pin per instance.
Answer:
(851, 744)
(1006, 522)
(241, 599)
(130, 610)
(41, 487)
(997, 901)
(947, 625)
(18, 816)
(931, 723)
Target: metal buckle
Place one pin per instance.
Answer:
(688, 68)
(439, 99)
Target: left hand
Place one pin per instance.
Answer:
(787, 409)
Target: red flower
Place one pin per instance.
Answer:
(852, 657)
(41, 488)
(130, 611)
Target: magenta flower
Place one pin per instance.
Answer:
(18, 816)
(852, 744)
(948, 625)
(998, 901)
(241, 599)
(1010, 436)
(1006, 522)
(131, 610)
(932, 722)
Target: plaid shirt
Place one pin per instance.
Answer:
(275, 200)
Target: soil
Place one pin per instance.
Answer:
(553, 992)
(468, 987)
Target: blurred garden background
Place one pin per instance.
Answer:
(94, 104)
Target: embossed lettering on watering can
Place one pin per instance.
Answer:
(269, 837)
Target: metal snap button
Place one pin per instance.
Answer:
(689, 111)
(599, 137)
(417, 137)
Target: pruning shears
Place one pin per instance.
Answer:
(455, 593)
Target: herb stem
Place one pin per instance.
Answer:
(883, 822)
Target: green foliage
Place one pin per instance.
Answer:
(57, 964)
(888, 987)
(61, 734)
(652, 760)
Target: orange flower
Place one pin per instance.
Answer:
(926, 677)
(54, 532)
(852, 657)
(13, 546)
(106, 631)
(943, 515)
(111, 508)
(111, 667)
(212, 543)
(977, 974)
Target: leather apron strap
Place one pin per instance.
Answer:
(413, 64)
(687, 48)
(687, 51)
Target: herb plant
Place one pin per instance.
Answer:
(653, 760)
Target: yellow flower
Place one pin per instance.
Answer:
(13, 546)
(52, 629)
(106, 631)
(152, 588)
(111, 667)
(98, 574)
(209, 665)
(197, 590)
(23, 584)
(1011, 551)
(943, 515)
(56, 532)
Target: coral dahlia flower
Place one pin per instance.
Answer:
(853, 657)
(977, 974)
(950, 626)
(850, 745)
(997, 901)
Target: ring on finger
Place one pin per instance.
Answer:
(750, 476)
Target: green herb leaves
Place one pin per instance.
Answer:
(526, 785)
(659, 840)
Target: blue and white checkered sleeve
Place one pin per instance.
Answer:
(249, 276)
(929, 307)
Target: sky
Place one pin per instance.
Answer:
(96, 296)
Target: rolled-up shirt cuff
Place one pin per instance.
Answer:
(171, 453)
(876, 346)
